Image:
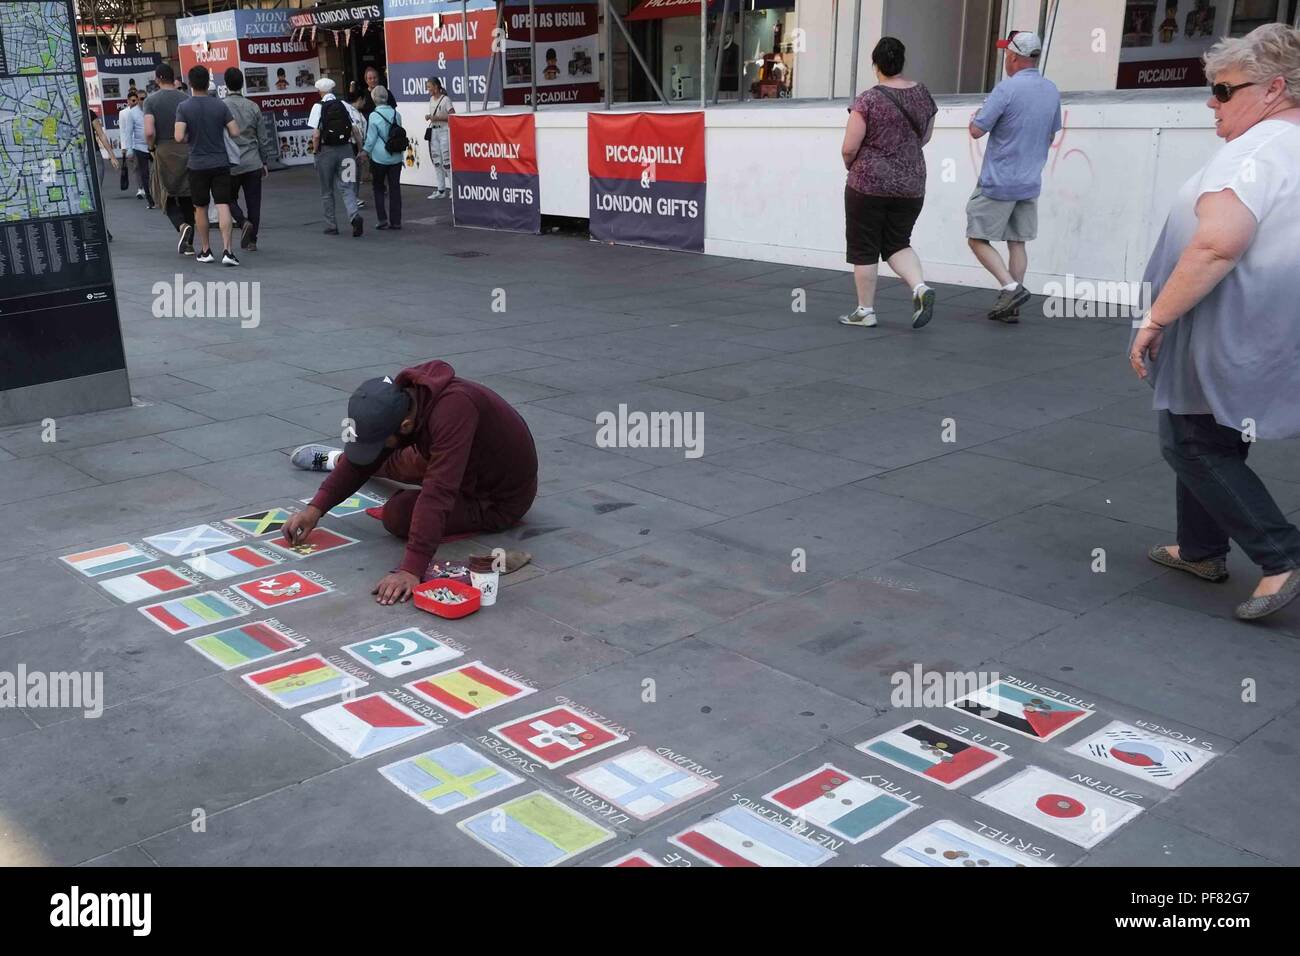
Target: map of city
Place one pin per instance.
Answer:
(37, 37)
(43, 146)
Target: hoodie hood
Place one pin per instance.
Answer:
(433, 376)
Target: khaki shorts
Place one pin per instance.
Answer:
(1001, 220)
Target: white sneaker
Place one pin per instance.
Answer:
(314, 457)
(864, 317)
(139, 194)
(436, 194)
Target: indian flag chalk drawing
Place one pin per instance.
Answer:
(469, 689)
(535, 830)
(244, 559)
(190, 613)
(100, 561)
(368, 724)
(739, 837)
(946, 844)
(927, 751)
(840, 803)
(237, 646)
(449, 777)
(302, 681)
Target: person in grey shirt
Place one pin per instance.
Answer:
(257, 151)
(169, 184)
(1220, 342)
(1021, 116)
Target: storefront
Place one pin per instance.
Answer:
(110, 79)
(349, 37)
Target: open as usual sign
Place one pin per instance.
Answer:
(647, 179)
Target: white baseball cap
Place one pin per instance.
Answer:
(1023, 42)
(324, 85)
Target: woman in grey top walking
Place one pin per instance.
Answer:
(1221, 342)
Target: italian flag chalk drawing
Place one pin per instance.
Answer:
(647, 179)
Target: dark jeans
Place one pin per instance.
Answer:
(142, 159)
(1219, 497)
(388, 183)
(251, 184)
(180, 210)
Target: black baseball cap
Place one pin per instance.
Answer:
(376, 408)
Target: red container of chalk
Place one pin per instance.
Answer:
(425, 599)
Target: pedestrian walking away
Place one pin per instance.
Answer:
(257, 150)
(468, 450)
(206, 123)
(1219, 342)
(130, 124)
(1021, 117)
(385, 145)
(169, 184)
(100, 145)
(334, 141)
(887, 128)
(438, 136)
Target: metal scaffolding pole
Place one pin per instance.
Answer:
(609, 55)
(618, 22)
(498, 41)
(532, 53)
(835, 35)
(704, 48)
(464, 42)
(717, 57)
(857, 36)
(740, 45)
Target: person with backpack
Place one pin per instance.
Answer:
(887, 128)
(439, 136)
(385, 144)
(334, 126)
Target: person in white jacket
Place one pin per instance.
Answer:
(439, 136)
(131, 130)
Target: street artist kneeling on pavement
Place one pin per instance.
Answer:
(469, 451)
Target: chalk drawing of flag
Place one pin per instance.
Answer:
(449, 777)
(114, 557)
(535, 830)
(368, 724)
(738, 837)
(469, 689)
(926, 750)
(237, 646)
(220, 565)
(835, 800)
(201, 537)
(140, 585)
(946, 844)
(642, 783)
(302, 681)
(189, 613)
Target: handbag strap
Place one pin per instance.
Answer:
(898, 104)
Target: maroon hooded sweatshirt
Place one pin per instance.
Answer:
(478, 447)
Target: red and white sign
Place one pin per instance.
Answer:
(282, 588)
(557, 736)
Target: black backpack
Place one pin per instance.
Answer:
(335, 124)
(396, 141)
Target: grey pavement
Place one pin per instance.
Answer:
(971, 498)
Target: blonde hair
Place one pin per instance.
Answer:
(1263, 53)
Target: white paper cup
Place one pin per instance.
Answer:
(487, 582)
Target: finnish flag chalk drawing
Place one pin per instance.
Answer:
(840, 803)
(449, 777)
(739, 837)
(647, 179)
(946, 844)
(535, 830)
(641, 783)
(495, 184)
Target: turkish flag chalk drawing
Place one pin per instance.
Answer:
(835, 800)
(449, 777)
(401, 652)
(469, 690)
(220, 565)
(190, 613)
(557, 736)
(944, 843)
(535, 830)
(368, 724)
(281, 588)
(237, 646)
(641, 783)
(302, 681)
(1125, 748)
(923, 749)
(318, 541)
(647, 179)
(740, 837)
(1068, 810)
(494, 172)
(130, 588)
(636, 858)
(114, 557)
(1020, 710)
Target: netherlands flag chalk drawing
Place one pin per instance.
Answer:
(647, 179)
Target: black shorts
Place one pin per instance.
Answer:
(876, 227)
(210, 185)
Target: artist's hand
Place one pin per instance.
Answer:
(395, 587)
(1146, 344)
(300, 525)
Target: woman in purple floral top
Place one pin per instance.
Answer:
(888, 125)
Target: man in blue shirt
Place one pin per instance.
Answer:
(130, 124)
(1021, 117)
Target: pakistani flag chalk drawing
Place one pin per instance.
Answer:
(495, 183)
(647, 179)
(401, 652)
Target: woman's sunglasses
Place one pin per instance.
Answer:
(1223, 92)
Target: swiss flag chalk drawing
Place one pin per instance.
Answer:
(557, 736)
(284, 587)
(926, 750)
(368, 724)
(318, 541)
(1022, 711)
(947, 844)
(1068, 810)
(130, 588)
(636, 858)
(839, 802)
(739, 837)
(641, 783)
(1139, 753)
(647, 179)
(495, 184)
